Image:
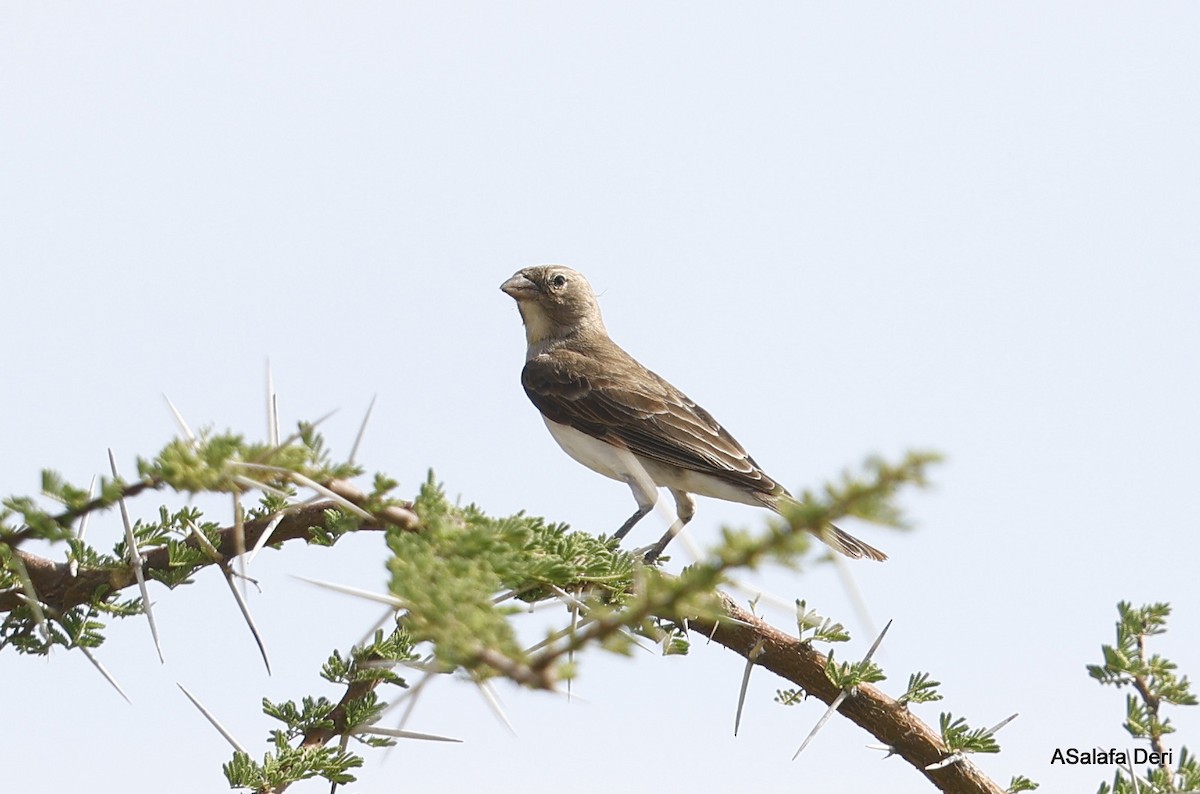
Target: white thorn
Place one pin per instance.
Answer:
(1000, 724)
(239, 536)
(751, 657)
(73, 565)
(837, 701)
(299, 433)
(402, 734)
(362, 430)
(329, 494)
(255, 485)
(413, 694)
(568, 598)
(179, 420)
(245, 608)
(875, 645)
(489, 695)
(557, 635)
(307, 483)
(104, 672)
(507, 594)
(383, 619)
(265, 537)
(136, 561)
(856, 596)
(383, 598)
(205, 543)
(953, 758)
(213, 720)
(843, 694)
(888, 750)
(272, 409)
(30, 597)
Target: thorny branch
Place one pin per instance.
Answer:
(1149, 698)
(785, 655)
(59, 589)
(869, 708)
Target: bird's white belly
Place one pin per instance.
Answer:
(699, 483)
(599, 456)
(621, 464)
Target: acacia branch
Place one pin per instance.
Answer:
(101, 502)
(786, 656)
(338, 725)
(883, 717)
(60, 590)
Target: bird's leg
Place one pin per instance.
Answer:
(646, 495)
(638, 515)
(685, 508)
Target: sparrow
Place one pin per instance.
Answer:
(621, 420)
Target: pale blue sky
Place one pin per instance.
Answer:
(842, 228)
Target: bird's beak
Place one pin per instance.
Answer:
(519, 287)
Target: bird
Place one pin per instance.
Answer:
(622, 420)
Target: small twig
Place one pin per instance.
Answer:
(532, 677)
(1149, 698)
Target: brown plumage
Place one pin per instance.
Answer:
(622, 420)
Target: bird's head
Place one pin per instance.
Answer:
(555, 302)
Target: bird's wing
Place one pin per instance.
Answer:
(606, 394)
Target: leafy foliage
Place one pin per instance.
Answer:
(287, 764)
(212, 462)
(462, 582)
(848, 675)
(960, 737)
(818, 629)
(1154, 681)
(790, 697)
(921, 689)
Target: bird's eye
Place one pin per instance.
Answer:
(559, 281)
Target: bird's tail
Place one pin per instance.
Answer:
(849, 545)
(837, 539)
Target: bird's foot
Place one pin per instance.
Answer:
(650, 554)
